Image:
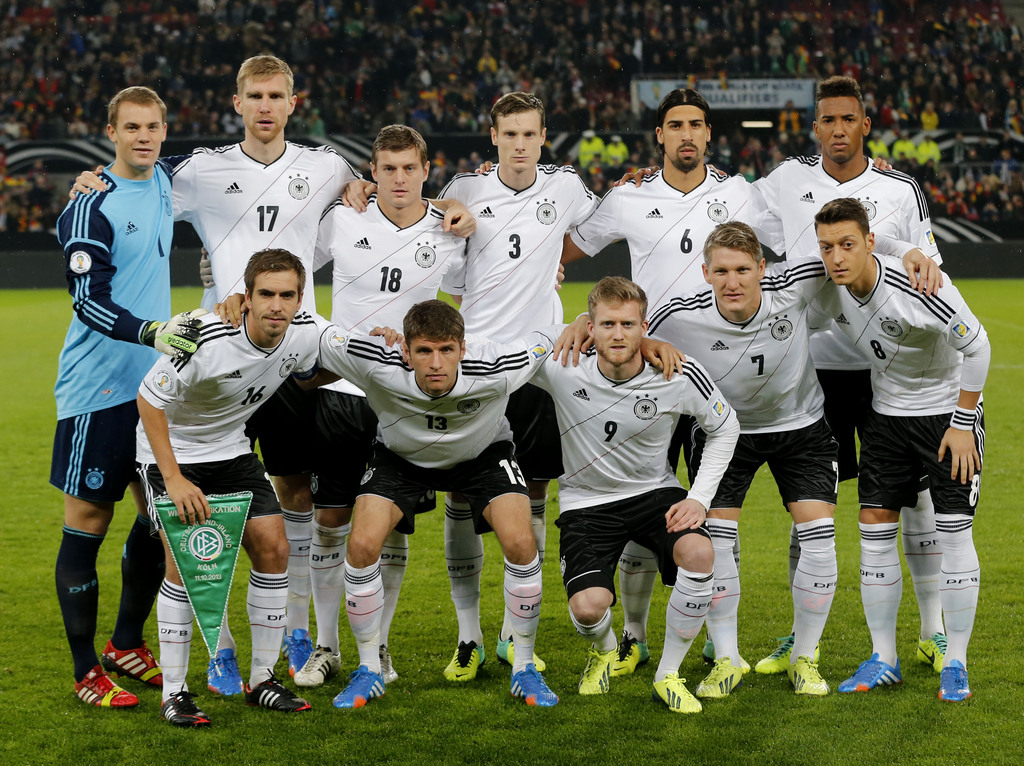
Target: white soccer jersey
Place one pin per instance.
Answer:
(915, 343)
(666, 228)
(615, 435)
(798, 188)
(380, 269)
(239, 206)
(437, 432)
(763, 365)
(208, 398)
(511, 267)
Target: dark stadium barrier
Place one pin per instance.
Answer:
(35, 260)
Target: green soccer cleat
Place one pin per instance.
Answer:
(779, 660)
(631, 654)
(464, 665)
(933, 651)
(708, 653)
(672, 691)
(507, 654)
(721, 681)
(806, 679)
(596, 675)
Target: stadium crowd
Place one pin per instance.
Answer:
(438, 66)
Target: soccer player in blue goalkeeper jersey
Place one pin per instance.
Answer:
(116, 245)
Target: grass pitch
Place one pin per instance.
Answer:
(424, 719)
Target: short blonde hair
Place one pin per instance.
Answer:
(137, 94)
(617, 290)
(516, 103)
(734, 235)
(263, 67)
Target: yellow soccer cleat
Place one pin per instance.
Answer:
(721, 681)
(806, 679)
(464, 665)
(672, 691)
(596, 676)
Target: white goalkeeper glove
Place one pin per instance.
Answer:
(205, 269)
(177, 337)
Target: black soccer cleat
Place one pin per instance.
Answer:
(181, 710)
(272, 695)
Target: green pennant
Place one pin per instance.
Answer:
(206, 555)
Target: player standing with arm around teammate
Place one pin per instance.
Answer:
(751, 328)
(191, 443)
(441, 424)
(616, 415)
(929, 357)
(522, 210)
(385, 260)
(116, 245)
(896, 209)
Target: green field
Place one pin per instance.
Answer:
(423, 719)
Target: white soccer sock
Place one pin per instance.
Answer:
(638, 569)
(266, 603)
(814, 584)
(394, 559)
(523, 590)
(687, 607)
(736, 552)
(174, 621)
(464, 554)
(881, 586)
(924, 557)
(226, 640)
(959, 581)
(539, 522)
(364, 601)
(721, 618)
(327, 574)
(600, 633)
(299, 533)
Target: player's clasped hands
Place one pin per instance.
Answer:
(688, 514)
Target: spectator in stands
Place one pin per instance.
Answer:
(903, 149)
(1006, 167)
(616, 155)
(877, 146)
(591, 150)
(928, 151)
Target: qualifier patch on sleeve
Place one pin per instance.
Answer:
(80, 262)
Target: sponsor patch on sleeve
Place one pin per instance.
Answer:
(538, 351)
(718, 407)
(961, 330)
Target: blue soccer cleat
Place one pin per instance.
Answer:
(953, 682)
(222, 676)
(872, 674)
(363, 686)
(298, 647)
(530, 685)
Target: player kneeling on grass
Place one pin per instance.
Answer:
(616, 415)
(929, 356)
(191, 442)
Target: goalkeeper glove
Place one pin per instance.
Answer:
(177, 337)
